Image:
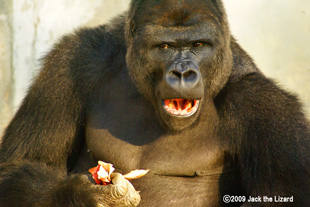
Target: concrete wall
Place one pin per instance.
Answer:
(6, 70)
(276, 33)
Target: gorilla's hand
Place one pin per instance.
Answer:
(80, 190)
(120, 193)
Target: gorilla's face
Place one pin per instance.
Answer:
(178, 56)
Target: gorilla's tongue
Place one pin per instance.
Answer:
(181, 107)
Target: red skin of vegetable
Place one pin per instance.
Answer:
(94, 171)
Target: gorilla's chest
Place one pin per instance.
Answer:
(130, 136)
(122, 128)
(131, 147)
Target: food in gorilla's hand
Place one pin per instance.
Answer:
(134, 174)
(102, 173)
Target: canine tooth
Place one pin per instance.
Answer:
(188, 105)
(171, 105)
(176, 104)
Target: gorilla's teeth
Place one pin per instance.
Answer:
(171, 105)
(181, 107)
(188, 106)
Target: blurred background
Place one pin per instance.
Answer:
(275, 33)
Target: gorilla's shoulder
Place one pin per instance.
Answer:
(255, 95)
(108, 36)
(87, 49)
(243, 64)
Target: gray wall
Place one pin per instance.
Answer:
(275, 33)
(6, 69)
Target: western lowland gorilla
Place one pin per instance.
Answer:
(163, 87)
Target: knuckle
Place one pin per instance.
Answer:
(118, 191)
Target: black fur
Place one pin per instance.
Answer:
(96, 98)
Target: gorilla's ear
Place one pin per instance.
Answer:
(130, 31)
(132, 28)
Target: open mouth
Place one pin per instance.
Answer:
(181, 107)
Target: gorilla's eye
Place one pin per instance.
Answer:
(164, 46)
(198, 44)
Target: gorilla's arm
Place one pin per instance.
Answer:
(47, 122)
(36, 149)
(24, 183)
(270, 137)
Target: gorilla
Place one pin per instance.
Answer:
(163, 87)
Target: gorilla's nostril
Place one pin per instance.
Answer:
(176, 74)
(190, 75)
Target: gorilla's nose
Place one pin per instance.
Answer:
(182, 75)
